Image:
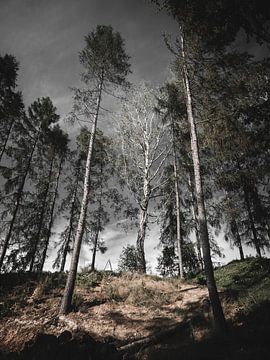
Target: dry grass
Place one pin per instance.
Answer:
(123, 307)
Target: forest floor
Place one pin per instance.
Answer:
(122, 308)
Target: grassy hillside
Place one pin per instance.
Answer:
(247, 282)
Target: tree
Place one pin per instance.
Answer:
(184, 21)
(106, 65)
(60, 141)
(144, 151)
(41, 114)
(128, 260)
(238, 144)
(70, 206)
(205, 30)
(11, 104)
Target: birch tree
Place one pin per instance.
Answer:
(144, 151)
(105, 67)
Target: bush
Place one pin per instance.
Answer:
(77, 302)
(89, 280)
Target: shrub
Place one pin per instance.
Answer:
(89, 280)
(77, 302)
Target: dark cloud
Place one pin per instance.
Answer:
(46, 36)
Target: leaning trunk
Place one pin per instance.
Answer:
(70, 284)
(194, 211)
(219, 319)
(18, 203)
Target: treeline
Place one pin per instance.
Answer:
(42, 181)
(194, 153)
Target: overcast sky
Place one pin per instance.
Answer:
(46, 36)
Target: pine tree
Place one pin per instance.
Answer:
(11, 104)
(60, 141)
(41, 114)
(106, 65)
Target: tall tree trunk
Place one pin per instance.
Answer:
(249, 211)
(140, 240)
(178, 210)
(48, 235)
(6, 141)
(70, 284)
(18, 202)
(143, 216)
(42, 214)
(67, 243)
(239, 241)
(94, 250)
(99, 220)
(194, 211)
(219, 319)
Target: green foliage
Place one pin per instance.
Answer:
(241, 275)
(104, 56)
(89, 280)
(128, 259)
(247, 281)
(54, 280)
(218, 23)
(77, 302)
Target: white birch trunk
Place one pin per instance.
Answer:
(142, 227)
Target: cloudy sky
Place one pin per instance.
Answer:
(46, 36)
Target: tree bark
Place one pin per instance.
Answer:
(178, 209)
(140, 240)
(44, 254)
(239, 242)
(99, 221)
(143, 219)
(94, 251)
(143, 213)
(67, 243)
(41, 219)
(194, 211)
(218, 315)
(70, 284)
(18, 202)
